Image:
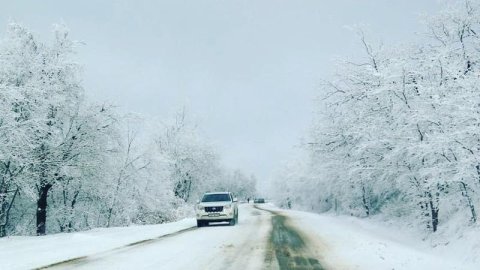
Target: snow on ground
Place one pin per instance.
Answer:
(216, 247)
(339, 242)
(352, 243)
(26, 252)
(456, 240)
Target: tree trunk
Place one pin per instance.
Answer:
(42, 209)
(6, 214)
(189, 188)
(3, 210)
(478, 172)
(3, 230)
(434, 211)
(469, 201)
(4, 205)
(110, 209)
(336, 205)
(364, 200)
(72, 210)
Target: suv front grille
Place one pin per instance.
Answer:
(214, 209)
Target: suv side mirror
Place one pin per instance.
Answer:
(235, 200)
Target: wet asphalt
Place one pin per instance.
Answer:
(289, 247)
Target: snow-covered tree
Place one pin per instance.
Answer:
(74, 164)
(398, 133)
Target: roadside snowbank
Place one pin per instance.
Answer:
(27, 252)
(352, 243)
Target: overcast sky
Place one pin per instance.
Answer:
(247, 71)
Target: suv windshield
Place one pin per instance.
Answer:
(215, 198)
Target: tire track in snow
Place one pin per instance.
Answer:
(252, 247)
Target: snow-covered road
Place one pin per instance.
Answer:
(218, 246)
(265, 238)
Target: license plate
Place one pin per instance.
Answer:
(214, 215)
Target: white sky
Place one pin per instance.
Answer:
(246, 70)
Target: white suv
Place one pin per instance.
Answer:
(217, 207)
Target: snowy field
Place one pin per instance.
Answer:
(337, 243)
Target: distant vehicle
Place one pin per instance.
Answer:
(217, 207)
(259, 200)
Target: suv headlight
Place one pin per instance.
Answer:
(228, 206)
(200, 207)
